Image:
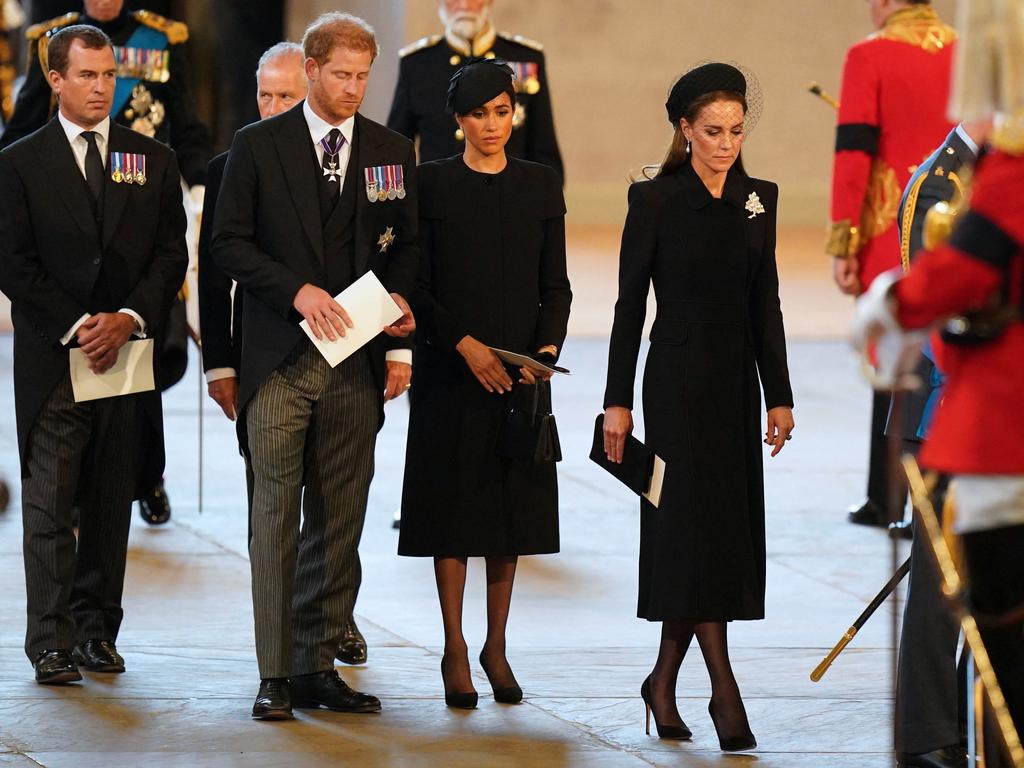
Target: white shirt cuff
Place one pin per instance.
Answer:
(399, 356)
(67, 337)
(141, 333)
(216, 374)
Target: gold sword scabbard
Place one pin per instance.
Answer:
(824, 96)
(953, 587)
(821, 669)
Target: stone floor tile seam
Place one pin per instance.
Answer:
(889, 605)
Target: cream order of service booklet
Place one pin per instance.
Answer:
(370, 307)
(132, 373)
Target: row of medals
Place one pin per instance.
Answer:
(384, 194)
(129, 178)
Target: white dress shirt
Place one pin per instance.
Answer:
(79, 146)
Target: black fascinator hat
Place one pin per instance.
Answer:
(712, 77)
(477, 82)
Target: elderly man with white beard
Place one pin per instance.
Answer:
(418, 108)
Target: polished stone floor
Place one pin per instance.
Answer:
(575, 643)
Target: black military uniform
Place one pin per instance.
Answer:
(931, 719)
(153, 95)
(418, 109)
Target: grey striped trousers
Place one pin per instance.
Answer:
(312, 431)
(84, 453)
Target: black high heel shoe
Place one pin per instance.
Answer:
(680, 732)
(459, 699)
(739, 743)
(511, 694)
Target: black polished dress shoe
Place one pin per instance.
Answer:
(274, 701)
(327, 689)
(352, 646)
(867, 513)
(155, 507)
(903, 530)
(55, 667)
(98, 656)
(947, 757)
(680, 732)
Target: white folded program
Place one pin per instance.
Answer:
(896, 350)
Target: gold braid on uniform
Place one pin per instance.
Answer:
(908, 220)
(40, 35)
(176, 31)
(843, 240)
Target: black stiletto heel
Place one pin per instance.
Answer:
(680, 732)
(511, 694)
(459, 699)
(739, 743)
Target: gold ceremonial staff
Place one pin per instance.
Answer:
(953, 589)
(817, 91)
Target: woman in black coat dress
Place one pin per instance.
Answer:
(704, 233)
(492, 237)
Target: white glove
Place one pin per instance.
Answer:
(897, 350)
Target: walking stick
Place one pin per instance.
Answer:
(822, 668)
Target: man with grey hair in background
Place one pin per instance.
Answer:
(418, 108)
(280, 84)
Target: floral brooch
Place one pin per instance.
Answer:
(754, 205)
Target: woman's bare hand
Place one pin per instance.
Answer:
(485, 365)
(618, 423)
(780, 428)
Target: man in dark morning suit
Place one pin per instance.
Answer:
(280, 84)
(426, 67)
(930, 704)
(311, 200)
(154, 98)
(85, 258)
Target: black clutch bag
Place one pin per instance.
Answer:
(641, 470)
(529, 433)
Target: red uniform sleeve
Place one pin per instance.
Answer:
(857, 134)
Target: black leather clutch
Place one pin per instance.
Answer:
(637, 460)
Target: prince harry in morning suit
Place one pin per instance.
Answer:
(294, 226)
(87, 259)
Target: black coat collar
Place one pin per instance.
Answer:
(697, 195)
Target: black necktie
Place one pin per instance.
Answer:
(331, 145)
(93, 167)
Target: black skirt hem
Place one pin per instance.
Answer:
(526, 553)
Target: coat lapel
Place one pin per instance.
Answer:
(293, 148)
(57, 162)
(115, 195)
(361, 157)
(366, 154)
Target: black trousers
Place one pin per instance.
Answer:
(82, 452)
(995, 574)
(930, 697)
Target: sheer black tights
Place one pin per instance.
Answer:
(676, 636)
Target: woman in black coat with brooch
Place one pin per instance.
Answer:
(703, 232)
(492, 239)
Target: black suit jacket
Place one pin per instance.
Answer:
(268, 235)
(221, 347)
(52, 248)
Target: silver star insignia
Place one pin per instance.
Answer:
(386, 239)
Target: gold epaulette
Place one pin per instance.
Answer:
(523, 41)
(36, 31)
(176, 31)
(419, 45)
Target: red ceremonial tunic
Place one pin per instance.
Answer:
(892, 115)
(979, 427)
